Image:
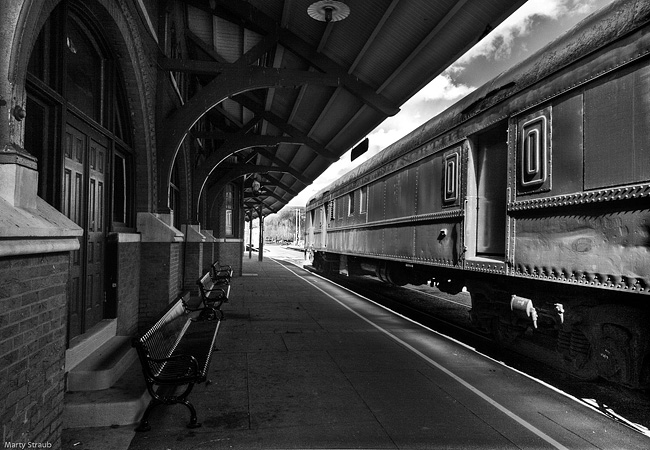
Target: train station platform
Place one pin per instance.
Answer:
(302, 363)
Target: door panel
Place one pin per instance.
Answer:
(96, 238)
(84, 190)
(73, 175)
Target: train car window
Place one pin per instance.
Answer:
(534, 152)
(350, 203)
(492, 162)
(362, 199)
(332, 209)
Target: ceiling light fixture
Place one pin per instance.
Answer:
(328, 11)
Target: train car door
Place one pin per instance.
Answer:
(311, 217)
(491, 190)
(324, 216)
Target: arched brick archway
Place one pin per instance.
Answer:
(120, 29)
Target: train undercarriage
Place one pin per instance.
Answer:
(592, 333)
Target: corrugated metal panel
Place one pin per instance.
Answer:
(314, 100)
(360, 24)
(339, 113)
(409, 24)
(284, 100)
(272, 9)
(250, 39)
(228, 39)
(233, 108)
(467, 25)
(301, 24)
(200, 23)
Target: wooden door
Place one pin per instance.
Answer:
(73, 200)
(84, 188)
(96, 239)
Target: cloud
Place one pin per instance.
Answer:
(442, 88)
(434, 98)
(500, 42)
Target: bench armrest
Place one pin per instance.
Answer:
(219, 295)
(222, 267)
(215, 290)
(181, 367)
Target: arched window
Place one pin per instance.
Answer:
(229, 194)
(175, 197)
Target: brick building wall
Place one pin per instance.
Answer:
(193, 261)
(128, 285)
(208, 255)
(230, 252)
(160, 279)
(33, 314)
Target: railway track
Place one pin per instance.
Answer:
(438, 312)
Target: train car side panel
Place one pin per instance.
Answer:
(597, 233)
(439, 242)
(617, 137)
(429, 174)
(376, 200)
(567, 158)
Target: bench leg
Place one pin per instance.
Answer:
(144, 422)
(194, 423)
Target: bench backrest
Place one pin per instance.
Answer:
(205, 283)
(162, 338)
(219, 272)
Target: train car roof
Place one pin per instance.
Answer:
(595, 31)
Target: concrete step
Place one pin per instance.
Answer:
(86, 344)
(103, 367)
(121, 404)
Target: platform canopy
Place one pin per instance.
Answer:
(287, 89)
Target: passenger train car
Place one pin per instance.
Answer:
(533, 192)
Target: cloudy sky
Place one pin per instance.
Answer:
(531, 27)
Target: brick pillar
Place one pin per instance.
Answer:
(159, 279)
(127, 280)
(161, 266)
(208, 250)
(193, 257)
(230, 251)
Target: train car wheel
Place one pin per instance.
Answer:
(621, 344)
(505, 332)
(612, 354)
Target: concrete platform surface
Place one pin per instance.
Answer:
(304, 364)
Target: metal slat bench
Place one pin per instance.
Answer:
(175, 354)
(213, 293)
(220, 273)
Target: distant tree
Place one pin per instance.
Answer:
(282, 225)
